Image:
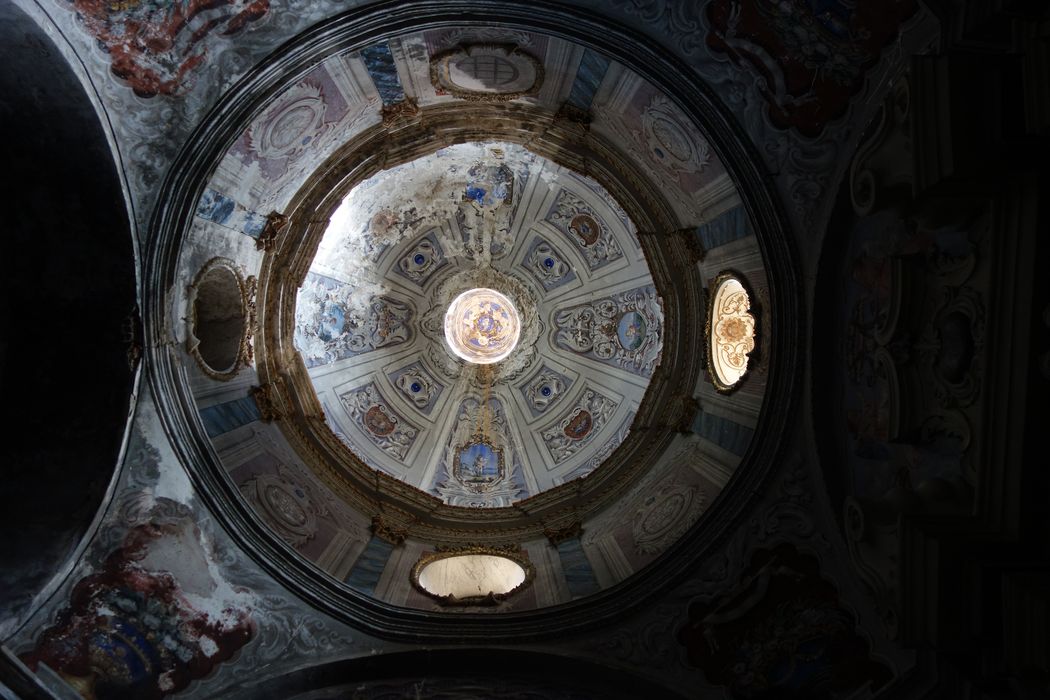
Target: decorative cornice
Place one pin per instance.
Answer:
(387, 531)
(275, 223)
(566, 532)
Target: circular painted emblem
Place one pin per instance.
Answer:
(631, 330)
(665, 516)
(482, 326)
(579, 425)
(285, 506)
(669, 136)
(291, 126)
(378, 422)
(585, 228)
(333, 319)
(288, 131)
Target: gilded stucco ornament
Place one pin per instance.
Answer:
(730, 331)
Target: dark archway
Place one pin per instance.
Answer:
(67, 319)
(458, 674)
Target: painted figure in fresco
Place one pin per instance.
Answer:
(781, 633)
(130, 630)
(478, 464)
(156, 46)
(812, 55)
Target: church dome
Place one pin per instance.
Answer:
(472, 265)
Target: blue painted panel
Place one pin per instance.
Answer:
(726, 228)
(577, 568)
(224, 417)
(588, 77)
(727, 434)
(223, 210)
(380, 64)
(369, 565)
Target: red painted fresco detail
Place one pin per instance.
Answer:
(155, 47)
(782, 632)
(131, 631)
(813, 55)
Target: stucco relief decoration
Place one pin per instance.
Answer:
(387, 430)
(486, 72)
(624, 330)
(547, 265)
(577, 428)
(156, 47)
(585, 229)
(479, 460)
(288, 129)
(664, 516)
(671, 142)
(811, 55)
(286, 503)
(545, 389)
(731, 332)
(151, 619)
(603, 452)
(422, 260)
(416, 385)
(334, 321)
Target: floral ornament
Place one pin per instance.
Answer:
(731, 328)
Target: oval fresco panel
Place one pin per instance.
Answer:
(631, 330)
(579, 425)
(586, 228)
(378, 422)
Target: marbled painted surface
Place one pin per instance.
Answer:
(369, 565)
(588, 77)
(725, 228)
(724, 432)
(577, 568)
(223, 417)
(380, 63)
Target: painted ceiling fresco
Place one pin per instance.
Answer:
(399, 250)
(407, 240)
(351, 92)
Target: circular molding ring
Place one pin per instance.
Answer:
(353, 30)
